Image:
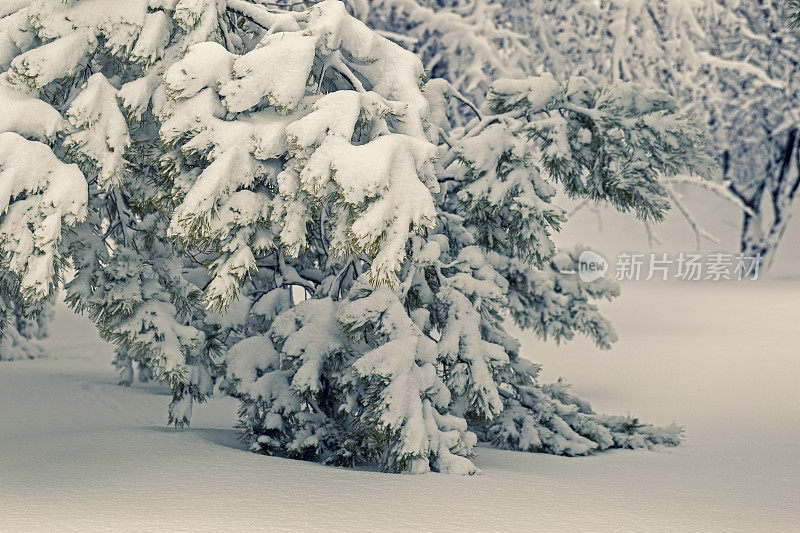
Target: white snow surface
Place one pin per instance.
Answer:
(78, 452)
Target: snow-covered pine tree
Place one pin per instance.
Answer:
(398, 353)
(365, 251)
(124, 363)
(22, 328)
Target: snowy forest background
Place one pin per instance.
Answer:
(349, 233)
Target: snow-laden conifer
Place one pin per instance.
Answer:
(275, 204)
(23, 327)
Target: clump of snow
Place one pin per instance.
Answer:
(38, 194)
(26, 115)
(101, 134)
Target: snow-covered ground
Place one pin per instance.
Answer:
(723, 359)
(79, 452)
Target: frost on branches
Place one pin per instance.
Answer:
(463, 41)
(274, 204)
(733, 63)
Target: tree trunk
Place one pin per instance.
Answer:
(761, 236)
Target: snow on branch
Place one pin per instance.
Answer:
(38, 194)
